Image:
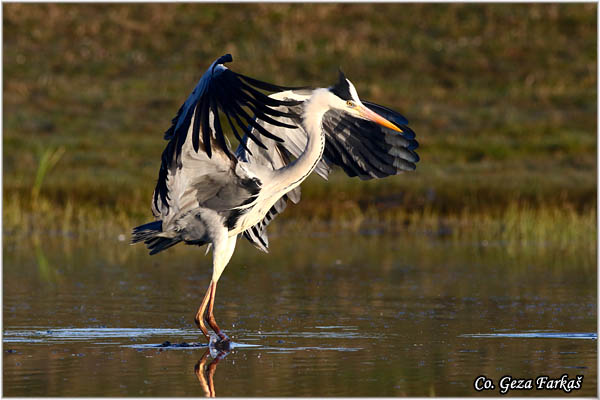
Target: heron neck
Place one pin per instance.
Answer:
(298, 170)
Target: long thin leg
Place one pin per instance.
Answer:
(223, 248)
(210, 317)
(199, 319)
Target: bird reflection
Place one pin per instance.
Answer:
(205, 371)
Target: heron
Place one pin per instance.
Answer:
(206, 194)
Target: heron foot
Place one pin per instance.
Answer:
(221, 343)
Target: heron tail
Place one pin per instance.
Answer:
(150, 234)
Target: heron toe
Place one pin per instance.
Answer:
(220, 344)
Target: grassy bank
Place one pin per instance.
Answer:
(518, 227)
(502, 97)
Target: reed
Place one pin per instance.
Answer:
(516, 227)
(48, 160)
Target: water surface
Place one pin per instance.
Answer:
(323, 315)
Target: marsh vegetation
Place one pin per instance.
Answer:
(371, 288)
(502, 97)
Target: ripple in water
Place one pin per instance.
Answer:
(535, 335)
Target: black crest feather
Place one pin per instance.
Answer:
(342, 87)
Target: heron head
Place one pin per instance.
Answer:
(346, 99)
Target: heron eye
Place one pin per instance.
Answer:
(350, 103)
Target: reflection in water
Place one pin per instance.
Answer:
(541, 335)
(206, 373)
(45, 270)
(392, 317)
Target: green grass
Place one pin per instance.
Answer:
(502, 97)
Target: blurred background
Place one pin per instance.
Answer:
(502, 97)
(370, 286)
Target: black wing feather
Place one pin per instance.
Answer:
(206, 128)
(253, 123)
(236, 134)
(220, 138)
(367, 150)
(197, 121)
(388, 114)
(269, 87)
(269, 100)
(360, 147)
(219, 89)
(248, 131)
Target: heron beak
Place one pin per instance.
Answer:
(373, 116)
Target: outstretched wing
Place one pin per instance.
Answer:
(193, 181)
(366, 149)
(360, 147)
(219, 89)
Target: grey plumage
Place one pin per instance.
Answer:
(361, 148)
(205, 194)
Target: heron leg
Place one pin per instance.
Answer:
(199, 319)
(223, 248)
(210, 317)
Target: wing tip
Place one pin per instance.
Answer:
(226, 58)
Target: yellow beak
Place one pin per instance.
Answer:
(373, 116)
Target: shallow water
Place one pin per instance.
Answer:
(327, 315)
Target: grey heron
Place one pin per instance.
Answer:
(207, 194)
